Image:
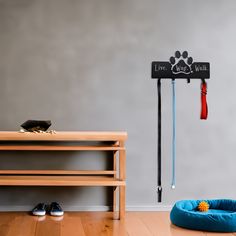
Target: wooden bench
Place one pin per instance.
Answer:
(60, 141)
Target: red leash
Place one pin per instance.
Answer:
(204, 108)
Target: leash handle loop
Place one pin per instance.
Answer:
(204, 107)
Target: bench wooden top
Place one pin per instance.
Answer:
(64, 136)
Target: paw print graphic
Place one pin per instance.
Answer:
(181, 63)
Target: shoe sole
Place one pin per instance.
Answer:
(39, 213)
(56, 213)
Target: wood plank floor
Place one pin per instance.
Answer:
(94, 224)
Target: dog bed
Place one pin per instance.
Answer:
(221, 216)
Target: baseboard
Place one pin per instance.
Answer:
(65, 208)
(149, 208)
(91, 208)
(87, 208)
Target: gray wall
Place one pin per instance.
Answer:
(86, 66)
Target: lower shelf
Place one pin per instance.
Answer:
(26, 180)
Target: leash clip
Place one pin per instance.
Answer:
(159, 193)
(159, 189)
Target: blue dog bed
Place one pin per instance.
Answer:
(221, 216)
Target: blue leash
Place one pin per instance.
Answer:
(173, 134)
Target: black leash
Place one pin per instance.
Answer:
(159, 187)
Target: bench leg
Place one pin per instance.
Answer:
(122, 202)
(122, 176)
(114, 188)
(114, 207)
(115, 176)
(114, 199)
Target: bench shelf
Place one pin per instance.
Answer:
(39, 180)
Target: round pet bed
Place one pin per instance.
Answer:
(221, 216)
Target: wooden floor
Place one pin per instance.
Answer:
(93, 224)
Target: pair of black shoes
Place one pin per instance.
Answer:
(54, 209)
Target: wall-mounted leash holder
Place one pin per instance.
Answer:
(179, 66)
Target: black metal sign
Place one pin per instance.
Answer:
(180, 66)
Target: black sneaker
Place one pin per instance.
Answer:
(39, 210)
(55, 209)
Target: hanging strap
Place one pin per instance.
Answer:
(204, 108)
(159, 187)
(173, 134)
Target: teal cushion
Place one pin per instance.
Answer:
(221, 217)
